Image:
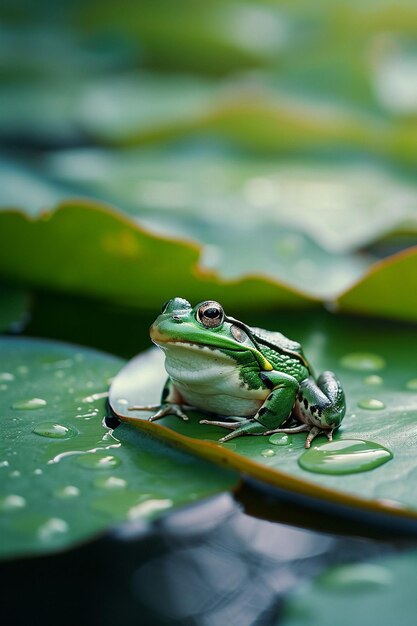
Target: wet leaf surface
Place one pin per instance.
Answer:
(66, 477)
(379, 378)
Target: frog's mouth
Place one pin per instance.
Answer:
(164, 342)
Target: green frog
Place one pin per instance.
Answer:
(258, 381)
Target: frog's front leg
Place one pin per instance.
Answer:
(320, 407)
(171, 404)
(273, 412)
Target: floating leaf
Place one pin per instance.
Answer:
(387, 290)
(65, 477)
(88, 249)
(378, 371)
(381, 592)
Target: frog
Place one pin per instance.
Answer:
(251, 380)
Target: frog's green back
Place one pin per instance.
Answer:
(281, 343)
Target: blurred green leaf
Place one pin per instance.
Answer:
(64, 476)
(85, 248)
(377, 367)
(387, 290)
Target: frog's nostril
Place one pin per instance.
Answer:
(176, 318)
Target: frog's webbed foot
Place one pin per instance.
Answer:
(162, 410)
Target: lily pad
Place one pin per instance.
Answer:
(119, 261)
(387, 290)
(380, 592)
(341, 205)
(64, 476)
(377, 366)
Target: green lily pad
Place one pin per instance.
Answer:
(377, 366)
(342, 206)
(13, 305)
(379, 592)
(119, 261)
(64, 476)
(387, 290)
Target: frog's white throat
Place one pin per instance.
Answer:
(209, 379)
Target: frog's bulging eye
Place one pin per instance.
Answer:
(210, 314)
(238, 333)
(164, 306)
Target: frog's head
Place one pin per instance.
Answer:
(204, 325)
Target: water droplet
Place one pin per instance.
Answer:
(6, 377)
(268, 452)
(29, 404)
(69, 491)
(38, 472)
(363, 361)
(346, 456)
(23, 369)
(372, 404)
(110, 482)
(4, 463)
(373, 379)
(88, 414)
(122, 401)
(52, 529)
(144, 509)
(280, 439)
(14, 474)
(412, 384)
(12, 502)
(95, 460)
(53, 430)
(357, 577)
(96, 396)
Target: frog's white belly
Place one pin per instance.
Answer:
(209, 380)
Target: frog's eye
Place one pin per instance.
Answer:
(164, 306)
(238, 333)
(210, 314)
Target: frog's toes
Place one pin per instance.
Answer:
(229, 425)
(315, 431)
(161, 411)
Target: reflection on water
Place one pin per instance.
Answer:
(220, 566)
(205, 564)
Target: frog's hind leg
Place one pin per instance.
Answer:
(320, 406)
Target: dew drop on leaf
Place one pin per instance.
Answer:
(371, 404)
(93, 460)
(53, 430)
(280, 439)
(29, 404)
(362, 361)
(11, 502)
(346, 456)
(268, 452)
(373, 379)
